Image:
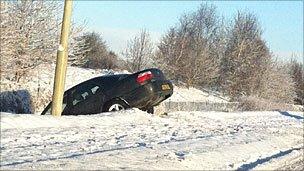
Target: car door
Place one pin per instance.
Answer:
(86, 99)
(65, 108)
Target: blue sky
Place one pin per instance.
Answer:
(119, 21)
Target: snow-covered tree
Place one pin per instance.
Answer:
(29, 34)
(91, 51)
(78, 53)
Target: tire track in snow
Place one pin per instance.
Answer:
(252, 165)
(75, 155)
(181, 138)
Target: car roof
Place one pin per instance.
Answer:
(101, 79)
(114, 76)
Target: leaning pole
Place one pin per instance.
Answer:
(61, 62)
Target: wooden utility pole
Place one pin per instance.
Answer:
(62, 58)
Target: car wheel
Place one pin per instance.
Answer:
(115, 105)
(150, 110)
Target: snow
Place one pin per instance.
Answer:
(135, 140)
(191, 94)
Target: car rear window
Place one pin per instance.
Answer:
(158, 74)
(109, 81)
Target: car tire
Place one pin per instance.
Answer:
(150, 110)
(115, 105)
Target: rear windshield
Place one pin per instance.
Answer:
(157, 73)
(109, 81)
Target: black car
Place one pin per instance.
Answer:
(143, 90)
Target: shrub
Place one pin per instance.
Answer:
(253, 103)
(16, 101)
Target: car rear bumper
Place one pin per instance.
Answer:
(150, 94)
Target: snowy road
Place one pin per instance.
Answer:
(297, 164)
(136, 140)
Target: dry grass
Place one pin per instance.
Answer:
(252, 103)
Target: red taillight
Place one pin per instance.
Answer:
(142, 77)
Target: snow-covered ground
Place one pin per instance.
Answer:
(183, 94)
(133, 139)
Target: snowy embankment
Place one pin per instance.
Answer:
(133, 139)
(39, 84)
(183, 94)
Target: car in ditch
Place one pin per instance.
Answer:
(144, 90)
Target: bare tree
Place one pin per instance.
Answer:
(296, 70)
(111, 60)
(248, 68)
(139, 51)
(246, 57)
(277, 85)
(189, 51)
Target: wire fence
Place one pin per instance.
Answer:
(171, 106)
